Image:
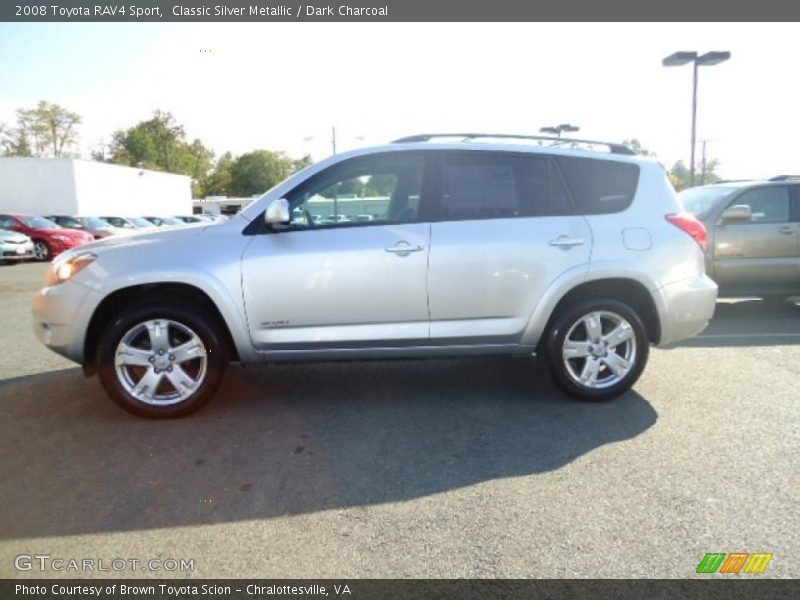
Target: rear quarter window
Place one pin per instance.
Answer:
(599, 187)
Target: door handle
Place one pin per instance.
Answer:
(565, 242)
(403, 248)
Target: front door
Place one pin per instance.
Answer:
(351, 269)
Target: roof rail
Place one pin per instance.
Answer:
(426, 137)
(783, 177)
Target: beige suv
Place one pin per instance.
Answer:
(753, 235)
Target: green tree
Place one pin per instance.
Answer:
(681, 178)
(257, 171)
(160, 144)
(635, 145)
(219, 179)
(47, 130)
(152, 144)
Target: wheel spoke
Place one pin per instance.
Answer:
(590, 371)
(621, 333)
(147, 385)
(189, 350)
(181, 381)
(576, 349)
(165, 382)
(159, 336)
(618, 365)
(132, 357)
(594, 330)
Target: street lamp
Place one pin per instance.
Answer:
(708, 59)
(557, 129)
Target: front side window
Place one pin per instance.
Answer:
(480, 185)
(767, 204)
(371, 191)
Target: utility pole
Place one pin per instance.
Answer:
(333, 138)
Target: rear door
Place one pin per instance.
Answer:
(503, 230)
(764, 250)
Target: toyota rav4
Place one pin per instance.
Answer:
(476, 245)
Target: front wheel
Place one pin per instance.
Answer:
(160, 360)
(597, 349)
(41, 250)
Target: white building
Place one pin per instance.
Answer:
(67, 186)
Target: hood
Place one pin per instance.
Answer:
(136, 240)
(13, 236)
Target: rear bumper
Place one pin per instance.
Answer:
(61, 316)
(685, 307)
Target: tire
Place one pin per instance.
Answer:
(42, 251)
(157, 344)
(601, 367)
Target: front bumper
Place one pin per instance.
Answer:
(61, 316)
(685, 308)
(16, 251)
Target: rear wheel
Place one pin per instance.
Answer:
(161, 361)
(41, 250)
(597, 349)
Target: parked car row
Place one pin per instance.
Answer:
(29, 237)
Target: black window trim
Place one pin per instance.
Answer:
(258, 227)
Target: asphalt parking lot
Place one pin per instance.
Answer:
(442, 468)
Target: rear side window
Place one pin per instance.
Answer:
(599, 186)
(497, 186)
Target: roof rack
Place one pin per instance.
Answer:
(783, 177)
(426, 137)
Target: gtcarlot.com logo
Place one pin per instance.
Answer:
(734, 563)
(46, 562)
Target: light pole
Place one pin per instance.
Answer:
(557, 129)
(708, 59)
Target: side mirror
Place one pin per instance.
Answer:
(737, 212)
(277, 213)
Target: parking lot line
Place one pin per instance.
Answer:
(747, 335)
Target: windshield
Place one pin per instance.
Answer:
(66, 222)
(700, 200)
(139, 222)
(170, 221)
(38, 222)
(95, 222)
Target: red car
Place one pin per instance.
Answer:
(49, 239)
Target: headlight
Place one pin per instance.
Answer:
(61, 238)
(63, 270)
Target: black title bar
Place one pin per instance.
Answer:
(397, 10)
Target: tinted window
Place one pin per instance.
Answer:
(599, 186)
(767, 204)
(495, 186)
(370, 191)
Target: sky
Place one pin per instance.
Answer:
(283, 86)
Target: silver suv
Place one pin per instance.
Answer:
(475, 244)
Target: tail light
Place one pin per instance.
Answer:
(692, 226)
